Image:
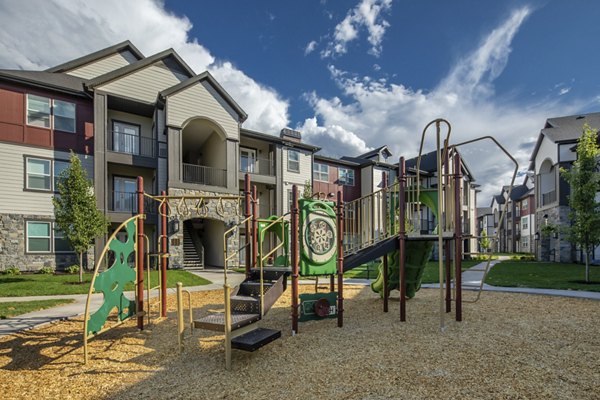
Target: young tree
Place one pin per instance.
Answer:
(307, 193)
(76, 214)
(584, 178)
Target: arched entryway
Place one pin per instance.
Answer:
(204, 153)
(203, 242)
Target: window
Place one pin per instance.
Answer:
(247, 160)
(64, 116)
(293, 161)
(59, 167)
(321, 172)
(125, 194)
(126, 138)
(38, 237)
(289, 192)
(517, 211)
(346, 176)
(525, 205)
(38, 174)
(38, 111)
(525, 223)
(61, 243)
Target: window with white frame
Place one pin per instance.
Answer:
(39, 173)
(525, 223)
(293, 161)
(346, 176)
(43, 173)
(38, 111)
(321, 172)
(38, 237)
(64, 115)
(46, 113)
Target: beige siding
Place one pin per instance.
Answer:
(100, 67)
(15, 200)
(547, 150)
(295, 178)
(197, 101)
(144, 84)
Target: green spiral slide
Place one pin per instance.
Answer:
(417, 255)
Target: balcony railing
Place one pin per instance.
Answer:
(127, 202)
(260, 166)
(548, 198)
(203, 175)
(128, 143)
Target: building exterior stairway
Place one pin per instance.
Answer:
(192, 257)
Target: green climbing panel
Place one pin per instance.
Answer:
(318, 237)
(112, 282)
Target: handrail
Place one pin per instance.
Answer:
(280, 220)
(226, 258)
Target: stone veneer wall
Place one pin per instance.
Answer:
(228, 214)
(555, 249)
(12, 247)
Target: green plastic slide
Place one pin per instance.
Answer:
(417, 255)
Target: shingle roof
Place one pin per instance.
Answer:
(48, 80)
(339, 161)
(276, 139)
(373, 152)
(569, 127)
(429, 163)
(480, 211)
(69, 65)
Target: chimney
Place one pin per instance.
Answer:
(291, 135)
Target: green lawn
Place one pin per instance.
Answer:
(543, 275)
(430, 275)
(13, 309)
(47, 284)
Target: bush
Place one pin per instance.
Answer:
(11, 271)
(72, 269)
(46, 270)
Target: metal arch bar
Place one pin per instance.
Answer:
(505, 210)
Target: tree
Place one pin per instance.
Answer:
(485, 242)
(76, 214)
(307, 193)
(584, 178)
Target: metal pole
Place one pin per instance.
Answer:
(180, 324)
(389, 219)
(294, 250)
(457, 236)
(447, 244)
(440, 192)
(140, 253)
(163, 258)
(254, 226)
(247, 214)
(340, 258)
(402, 238)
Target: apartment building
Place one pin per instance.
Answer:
(556, 148)
(516, 232)
(485, 224)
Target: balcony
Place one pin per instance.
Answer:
(126, 202)
(128, 143)
(260, 166)
(202, 175)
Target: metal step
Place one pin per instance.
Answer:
(255, 339)
(245, 304)
(251, 288)
(270, 273)
(216, 321)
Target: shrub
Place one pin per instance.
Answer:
(72, 269)
(11, 271)
(46, 270)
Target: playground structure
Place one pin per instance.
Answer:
(317, 238)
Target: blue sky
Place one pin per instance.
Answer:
(356, 74)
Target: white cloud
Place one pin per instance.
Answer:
(366, 15)
(67, 29)
(378, 112)
(564, 90)
(310, 47)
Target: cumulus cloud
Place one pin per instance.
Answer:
(367, 15)
(67, 29)
(310, 47)
(377, 112)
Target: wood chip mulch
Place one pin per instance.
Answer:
(509, 346)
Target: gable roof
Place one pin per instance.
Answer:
(564, 129)
(376, 151)
(78, 62)
(206, 76)
(128, 69)
(481, 211)
(429, 163)
(276, 139)
(339, 161)
(46, 80)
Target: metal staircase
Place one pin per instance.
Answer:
(248, 305)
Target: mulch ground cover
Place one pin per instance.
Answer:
(509, 346)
